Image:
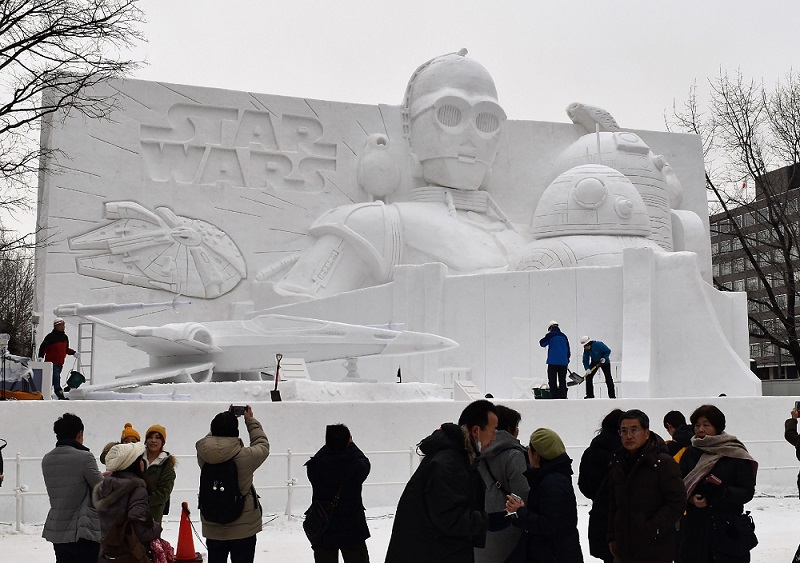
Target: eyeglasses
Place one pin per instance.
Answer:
(451, 111)
(632, 431)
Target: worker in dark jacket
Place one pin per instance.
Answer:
(440, 516)
(680, 434)
(790, 433)
(550, 515)
(596, 355)
(558, 355)
(54, 348)
(647, 495)
(338, 470)
(593, 477)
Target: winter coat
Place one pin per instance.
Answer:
(440, 516)
(70, 473)
(55, 347)
(682, 438)
(122, 496)
(593, 481)
(597, 351)
(646, 500)
(328, 471)
(557, 345)
(737, 489)
(507, 460)
(550, 515)
(790, 433)
(160, 479)
(216, 449)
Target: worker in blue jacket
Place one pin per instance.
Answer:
(596, 355)
(558, 354)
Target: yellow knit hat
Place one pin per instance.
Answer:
(157, 428)
(129, 432)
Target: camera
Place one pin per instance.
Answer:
(239, 410)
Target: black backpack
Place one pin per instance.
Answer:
(220, 500)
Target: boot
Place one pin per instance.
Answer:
(60, 394)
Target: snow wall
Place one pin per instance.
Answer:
(376, 427)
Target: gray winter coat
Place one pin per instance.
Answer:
(216, 449)
(507, 459)
(70, 473)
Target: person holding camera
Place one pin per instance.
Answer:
(790, 433)
(221, 444)
(336, 473)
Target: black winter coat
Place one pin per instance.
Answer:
(682, 438)
(440, 516)
(737, 489)
(550, 516)
(327, 471)
(791, 436)
(593, 477)
(647, 498)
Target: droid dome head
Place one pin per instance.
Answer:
(591, 199)
(452, 121)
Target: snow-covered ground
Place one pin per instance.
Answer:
(282, 538)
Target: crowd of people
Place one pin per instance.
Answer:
(478, 494)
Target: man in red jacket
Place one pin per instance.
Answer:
(54, 349)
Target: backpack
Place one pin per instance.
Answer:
(220, 500)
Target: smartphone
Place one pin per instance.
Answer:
(797, 405)
(713, 480)
(515, 497)
(239, 410)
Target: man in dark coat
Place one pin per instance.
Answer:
(791, 436)
(340, 469)
(558, 355)
(647, 496)
(440, 517)
(550, 515)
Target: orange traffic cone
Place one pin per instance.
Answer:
(186, 550)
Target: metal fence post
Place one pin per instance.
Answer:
(18, 492)
(289, 483)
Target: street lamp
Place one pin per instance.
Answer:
(4, 339)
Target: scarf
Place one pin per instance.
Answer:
(72, 443)
(714, 448)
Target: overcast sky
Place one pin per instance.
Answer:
(631, 58)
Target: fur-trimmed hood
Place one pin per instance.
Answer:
(113, 488)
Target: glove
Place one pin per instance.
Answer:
(602, 360)
(587, 373)
(77, 355)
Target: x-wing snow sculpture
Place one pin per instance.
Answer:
(214, 350)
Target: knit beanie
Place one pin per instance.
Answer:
(547, 443)
(129, 432)
(122, 456)
(106, 449)
(157, 428)
(225, 424)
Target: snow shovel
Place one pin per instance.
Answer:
(275, 395)
(574, 379)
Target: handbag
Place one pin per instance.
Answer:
(122, 546)
(318, 518)
(733, 534)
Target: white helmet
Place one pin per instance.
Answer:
(551, 324)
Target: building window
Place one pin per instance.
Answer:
(749, 221)
(769, 349)
(752, 307)
(725, 245)
(752, 284)
(738, 285)
(725, 268)
(781, 299)
(715, 270)
(736, 244)
(755, 350)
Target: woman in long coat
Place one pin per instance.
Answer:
(159, 473)
(593, 477)
(720, 478)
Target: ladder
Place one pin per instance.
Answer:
(86, 349)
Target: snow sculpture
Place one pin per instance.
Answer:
(452, 123)
(161, 250)
(586, 217)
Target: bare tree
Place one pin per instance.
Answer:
(51, 53)
(751, 140)
(16, 299)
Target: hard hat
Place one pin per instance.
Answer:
(552, 324)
